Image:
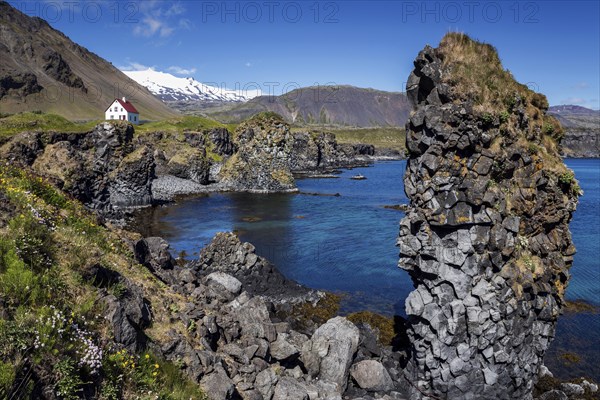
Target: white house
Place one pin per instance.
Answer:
(122, 109)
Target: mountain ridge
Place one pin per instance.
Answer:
(338, 105)
(42, 69)
(170, 88)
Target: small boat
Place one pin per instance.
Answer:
(358, 177)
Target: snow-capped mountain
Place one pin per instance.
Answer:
(168, 88)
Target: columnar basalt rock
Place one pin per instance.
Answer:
(486, 239)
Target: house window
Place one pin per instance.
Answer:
(135, 119)
(121, 110)
(112, 117)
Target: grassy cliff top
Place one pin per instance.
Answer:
(475, 73)
(37, 121)
(181, 124)
(262, 120)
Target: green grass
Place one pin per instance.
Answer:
(476, 73)
(181, 124)
(40, 122)
(47, 243)
(391, 138)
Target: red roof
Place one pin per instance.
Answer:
(127, 106)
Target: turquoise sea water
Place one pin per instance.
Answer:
(346, 243)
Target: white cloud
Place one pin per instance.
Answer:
(160, 19)
(134, 66)
(150, 26)
(182, 71)
(579, 101)
(185, 24)
(175, 9)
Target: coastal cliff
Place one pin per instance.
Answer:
(486, 239)
(111, 167)
(103, 168)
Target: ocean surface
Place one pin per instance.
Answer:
(344, 240)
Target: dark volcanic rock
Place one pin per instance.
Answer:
(319, 151)
(21, 84)
(129, 313)
(221, 139)
(226, 253)
(153, 253)
(99, 168)
(485, 240)
(131, 181)
(56, 67)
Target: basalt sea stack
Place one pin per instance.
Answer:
(486, 239)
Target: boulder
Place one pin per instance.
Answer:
(334, 344)
(265, 382)
(282, 349)
(227, 281)
(371, 375)
(218, 386)
(128, 315)
(290, 389)
(153, 253)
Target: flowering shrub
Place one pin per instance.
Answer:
(125, 370)
(46, 242)
(57, 332)
(69, 384)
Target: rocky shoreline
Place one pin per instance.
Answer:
(253, 334)
(111, 169)
(485, 240)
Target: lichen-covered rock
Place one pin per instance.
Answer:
(486, 239)
(262, 163)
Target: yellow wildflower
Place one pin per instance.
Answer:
(154, 373)
(147, 356)
(156, 366)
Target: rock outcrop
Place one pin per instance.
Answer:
(236, 343)
(102, 168)
(582, 130)
(319, 151)
(192, 155)
(262, 163)
(486, 239)
(226, 254)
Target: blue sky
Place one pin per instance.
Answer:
(553, 46)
